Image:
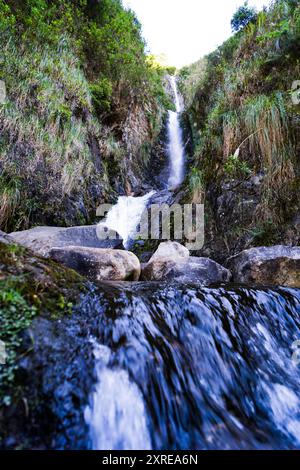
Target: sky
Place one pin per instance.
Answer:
(186, 30)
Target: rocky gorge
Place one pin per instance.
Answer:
(127, 343)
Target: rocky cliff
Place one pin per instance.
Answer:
(242, 122)
(84, 106)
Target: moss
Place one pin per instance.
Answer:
(29, 286)
(16, 314)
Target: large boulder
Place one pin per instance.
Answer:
(203, 271)
(42, 239)
(168, 257)
(99, 264)
(274, 265)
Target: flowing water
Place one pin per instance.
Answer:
(175, 140)
(125, 216)
(193, 368)
(183, 367)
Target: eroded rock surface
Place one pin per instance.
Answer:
(42, 239)
(99, 264)
(274, 265)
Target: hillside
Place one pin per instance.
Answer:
(242, 122)
(84, 106)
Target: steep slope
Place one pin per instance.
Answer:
(243, 118)
(84, 106)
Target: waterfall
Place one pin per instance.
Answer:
(125, 216)
(175, 141)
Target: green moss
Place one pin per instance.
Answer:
(29, 286)
(15, 316)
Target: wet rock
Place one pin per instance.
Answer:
(99, 264)
(275, 265)
(201, 271)
(169, 257)
(195, 270)
(42, 239)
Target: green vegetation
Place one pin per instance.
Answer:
(242, 118)
(242, 17)
(29, 286)
(75, 73)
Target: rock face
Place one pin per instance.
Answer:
(168, 257)
(276, 265)
(42, 239)
(99, 264)
(172, 262)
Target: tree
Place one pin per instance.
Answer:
(243, 16)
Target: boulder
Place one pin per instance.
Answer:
(203, 271)
(195, 270)
(99, 264)
(274, 265)
(42, 239)
(167, 258)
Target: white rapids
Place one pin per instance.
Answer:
(125, 216)
(175, 141)
(116, 414)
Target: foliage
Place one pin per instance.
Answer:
(15, 316)
(234, 167)
(74, 71)
(243, 121)
(196, 185)
(242, 17)
(101, 91)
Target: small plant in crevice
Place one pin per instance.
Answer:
(196, 185)
(236, 168)
(265, 233)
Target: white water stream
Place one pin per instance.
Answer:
(175, 145)
(116, 414)
(125, 216)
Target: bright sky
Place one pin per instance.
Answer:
(185, 30)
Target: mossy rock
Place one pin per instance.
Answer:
(30, 286)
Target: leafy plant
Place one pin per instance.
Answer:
(101, 91)
(234, 167)
(242, 17)
(15, 316)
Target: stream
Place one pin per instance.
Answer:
(194, 368)
(188, 367)
(148, 365)
(161, 366)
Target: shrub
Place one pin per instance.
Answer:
(242, 17)
(234, 167)
(101, 91)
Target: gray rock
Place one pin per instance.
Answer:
(202, 271)
(99, 264)
(275, 265)
(42, 239)
(168, 257)
(4, 238)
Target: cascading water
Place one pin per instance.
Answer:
(116, 420)
(178, 367)
(125, 216)
(175, 141)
